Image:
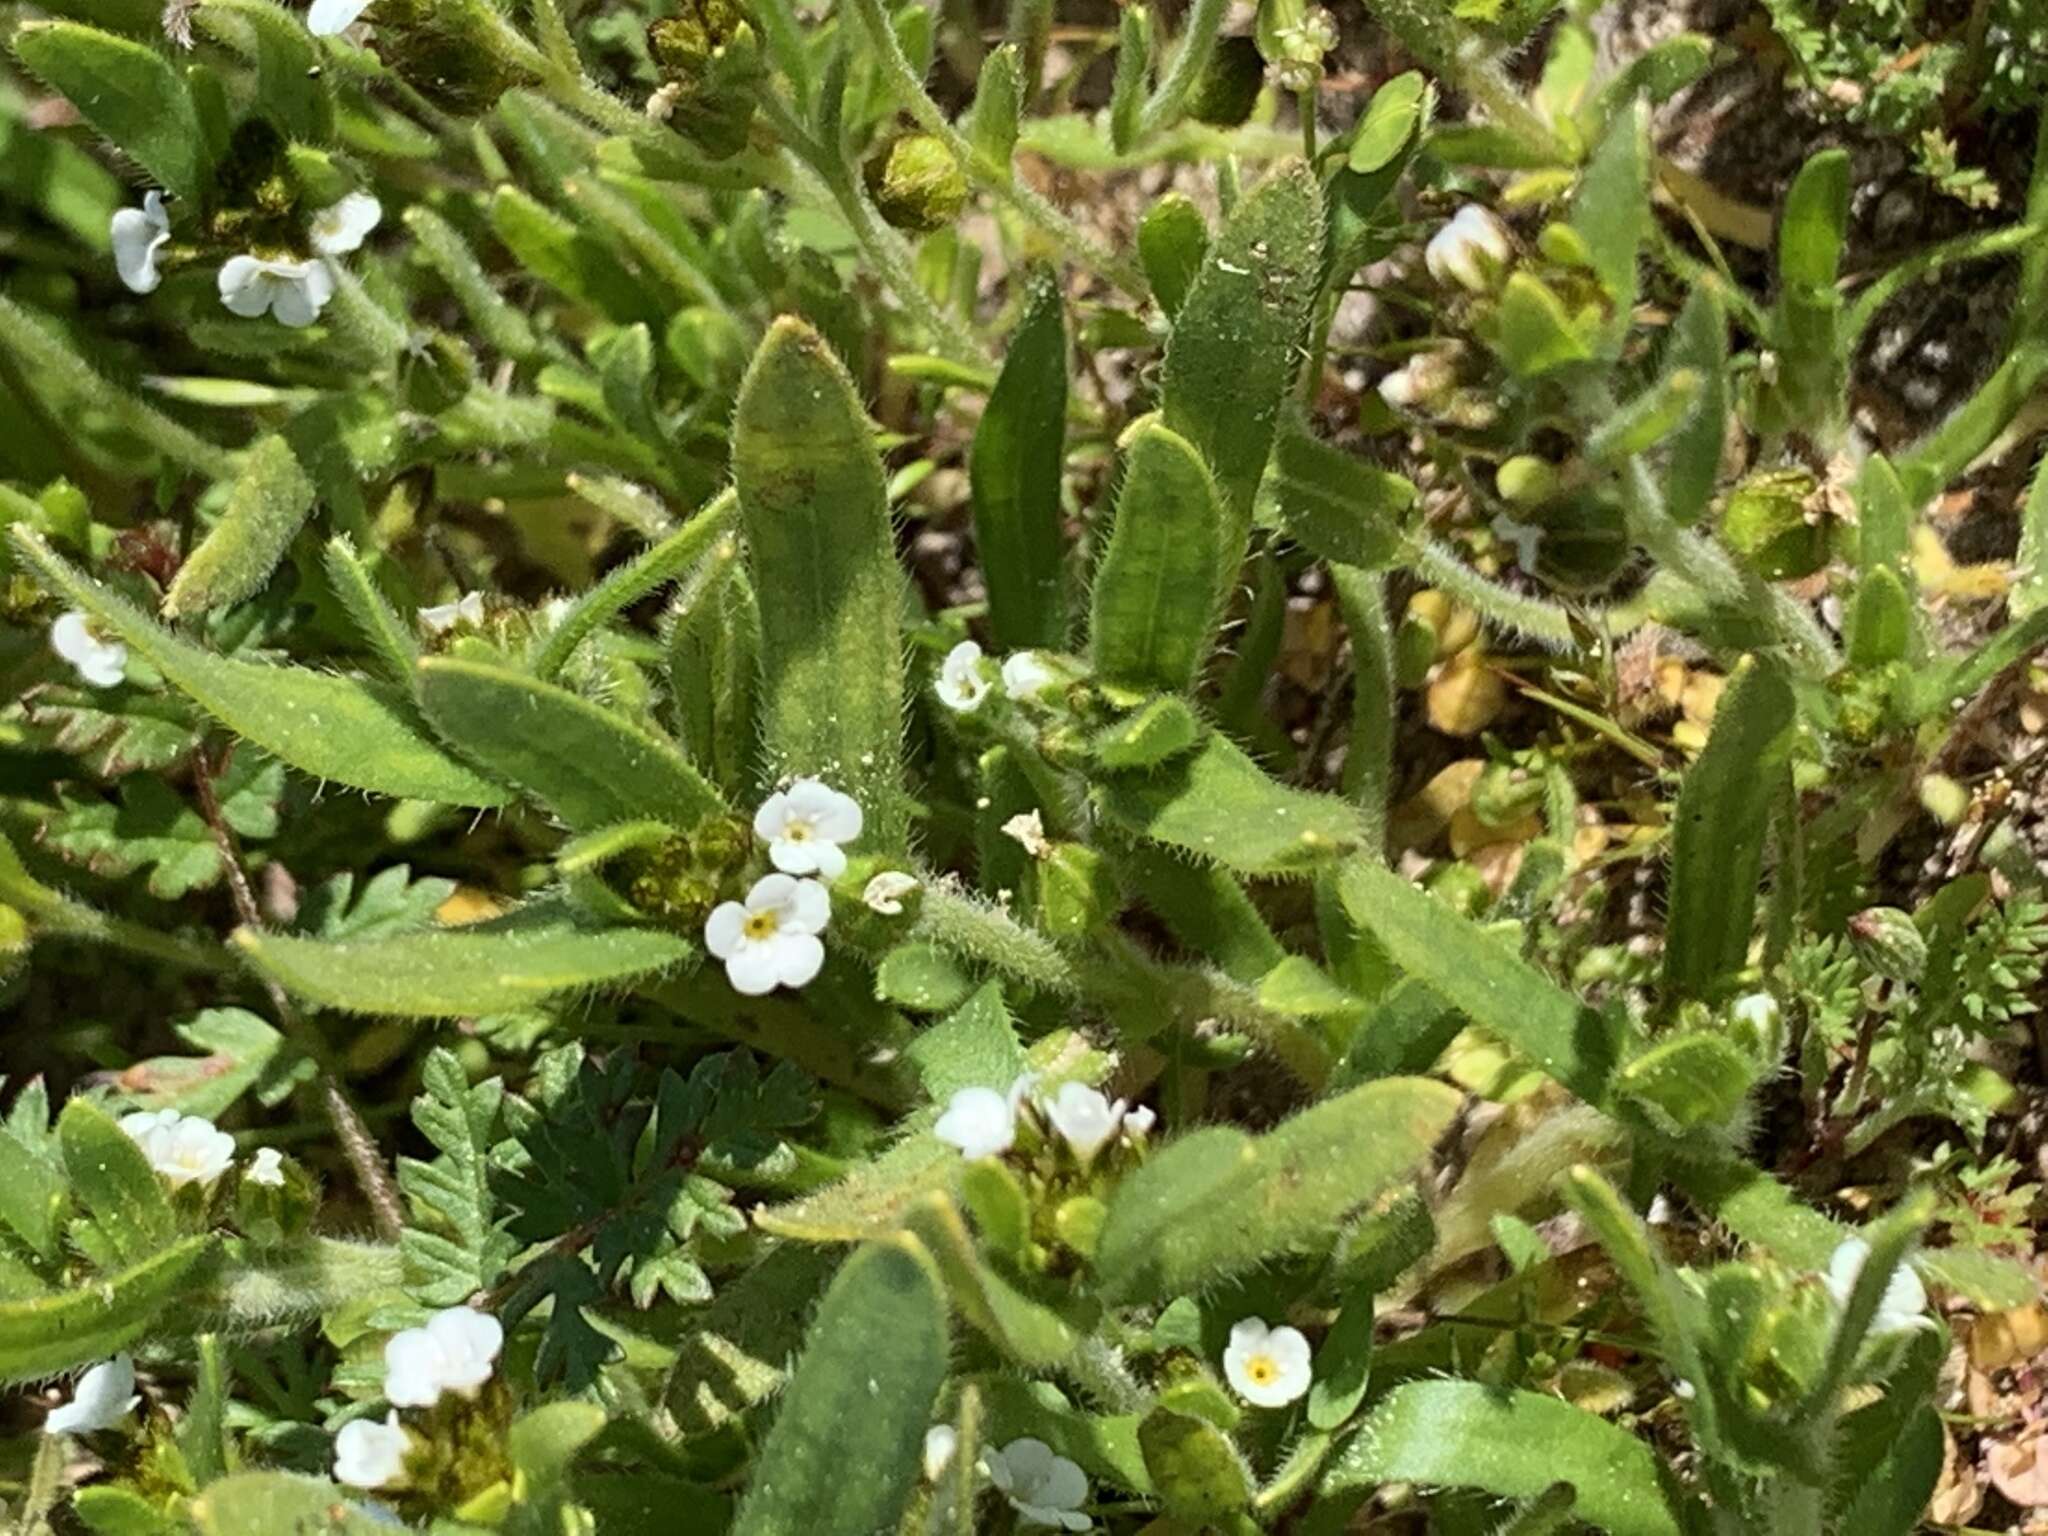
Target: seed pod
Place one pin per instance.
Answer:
(1889, 942)
(710, 62)
(1527, 481)
(916, 184)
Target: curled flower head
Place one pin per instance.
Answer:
(98, 661)
(1267, 1367)
(104, 1396)
(329, 18)
(979, 1121)
(804, 827)
(266, 1168)
(368, 1454)
(1044, 1488)
(467, 609)
(138, 234)
(185, 1149)
(961, 686)
(1471, 250)
(771, 939)
(885, 893)
(1084, 1116)
(454, 1352)
(341, 228)
(1903, 1308)
(294, 292)
(1026, 676)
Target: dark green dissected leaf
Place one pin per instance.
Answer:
(460, 1249)
(153, 828)
(1019, 449)
(240, 1054)
(128, 92)
(390, 902)
(1154, 602)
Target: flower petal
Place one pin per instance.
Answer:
(798, 958)
(753, 969)
(724, 928)
(809, 907)
(329, 17)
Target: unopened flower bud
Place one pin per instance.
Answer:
(1471, 251)
(1889, 942)
(917, 184)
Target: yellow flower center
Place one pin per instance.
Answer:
(797, 832)
(760, 925)
(1262, 1370)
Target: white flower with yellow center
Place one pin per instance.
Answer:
(294, 292)
(104, 1396)
(184, 1149)
(1903, 1308)
(368, 1454)
(100, 662)
(1267, 1367)
(804, 826)
(961, 685)
(138, 234)
(454, 1352)
(1044, 1488)
(344, 226)
(1472, 250)
(771, 939)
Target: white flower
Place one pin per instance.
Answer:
(1084, 1116)
(804, 826)
(467, 609)
(100, 663)
(1138, 1122)
(1526, 538)
(1904, 1305)
(138, 234)
(961, 685)
(1759, 1010)
(1421, 381)
(771, 939)
(267, 1168)
(368, 1454)
(328, 17)
(453, 1353)
(103, 1398)
(885, 893)
(185, 1149)
(1470, 251)
(1026, 676)
(1043, 1488)
(940, 1442)
(341, 228)
(1267, 1367)
(1027, 830)
(293, 291)
(979, 1121)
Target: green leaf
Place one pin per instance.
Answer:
(1719, 830)
(1197, 1472)
(344, 729)
(591, 767)
(1207, 910)
(1134, 43)
(1699, 342)
(1536, 334)
(114, 1181)
(1485, 979)
(267, 507)
(1014, 475)
(1396, 111)
(1816, 222)
(272, 1503)
(1338, 507)
(1891, 1498)
(1611, 212)
(128, 92)
(461, 1250)
(714, 654)
(1884, 520)
(1026, 1330)
(991, 127)
(441, 247)
(1343, 1366)
(387, 635)
(1219, 805)
(1172, 241)
(287, 58)
(975, 1046)
(844, 1454)
(1692, 1080)
(1155, 598)
(152, 828)
(493, 967)
(110, 1510)
(1880, 626)
(1235, 344)
(239, 1053)
(566, 256)
(1285, 1190)
(80, 1327)
(922, 978)
(824, 564)
(390, 902)
(1513, 1445)
(1156, 730)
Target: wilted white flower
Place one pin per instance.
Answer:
(329, 17)
(99, 662)
(1026, 676)
(1138, 1122)
(454, 1352)
(1470, 251)
(1027, 830)
(138, 234)
(1083, 1116)
(885, 893)
(961, 685)
(979, 1121)
(940, 1442)
(185, 1149)
(1904, 1305)
(1268, 1367)
(344, 226)
(293, 291)
(104, 1396)
(266, 1168)
(368, 1454)
(467, 609)
(804, 826)
(1526, 538)
(1044, 1489)
(771, 939)
(1421, 381)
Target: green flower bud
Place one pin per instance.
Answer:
(1078, 1223)
(1769, 523)
(1228, 87)
(1527, 481)
(710, 62)
(916, 183)
(1889, 942)
(450, 51)
(1462, 887)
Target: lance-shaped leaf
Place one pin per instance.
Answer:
(113, 1180)
(266, 509)
(1025, 1329)
(1219, 805)
(1284, 1190)
(1699, 342)
(818, 536)
(1155, 600)
(510, 963)
(1718, 834)
(1019, 448)
(1513, 1445)
(1612, 212)
(345, 729)
(1172, 240)
(592, 767)
(287, 59)
(126, 91)
(1198, 1473)
(844, 1454)
(1337, 506)
(1235, 344)
(48, 1334)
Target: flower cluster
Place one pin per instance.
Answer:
(770, 939)
(982, 1122)
(963, 683)
(184, 1149)
(455, 1351)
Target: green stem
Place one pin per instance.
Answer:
(1545, 623)
(1190, 58)
(1303, 1462)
